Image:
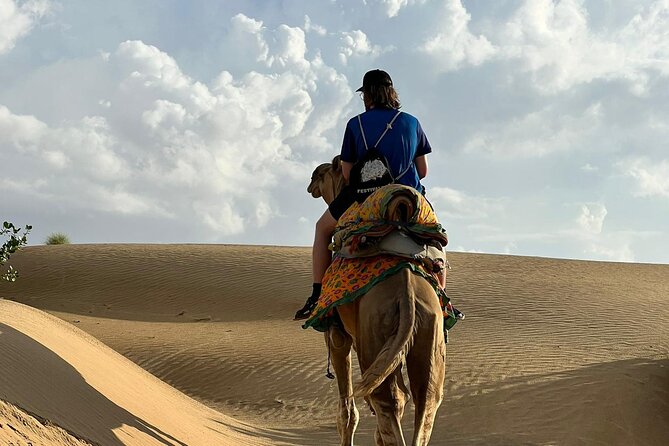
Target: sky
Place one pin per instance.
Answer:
(174, 121)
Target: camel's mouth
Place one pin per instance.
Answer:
(314, 190)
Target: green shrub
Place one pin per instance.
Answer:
(12, 241)
(57, 238)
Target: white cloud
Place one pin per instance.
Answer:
(118, 200)
(556, 43)
(223, 219)
(291, 48)
(309, 26)
(652, 178)
(246, 40)
(453, 45)
(91, 147)
(250, 43)
(537, 134)
(356, 44)
(170, 145)
(591, 218)
(76, 165)
(213, 136)
(165, 114)
(587, 167)
(56, 158)
(156, 74)
(19, 131)
(454, 204)
(263, 214)
(393, 7)
(17, 18)
(87, 145)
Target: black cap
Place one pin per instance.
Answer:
(375, 77)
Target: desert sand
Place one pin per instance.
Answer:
(194, 345)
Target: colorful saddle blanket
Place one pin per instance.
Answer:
(349, 278)
(376, 217)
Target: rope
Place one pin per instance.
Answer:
(388, 127)
(329, 374)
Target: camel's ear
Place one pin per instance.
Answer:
(336, 163)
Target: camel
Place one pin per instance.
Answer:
(327, 180)
(397, 322)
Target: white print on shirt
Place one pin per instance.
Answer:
(372, 170)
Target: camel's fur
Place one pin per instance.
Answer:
(327, 180)
(397, 322)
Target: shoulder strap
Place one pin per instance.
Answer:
(363, 133)
(404, 171)
(388, 127)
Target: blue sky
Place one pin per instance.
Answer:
(201, 121)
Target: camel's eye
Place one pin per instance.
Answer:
(317, 175)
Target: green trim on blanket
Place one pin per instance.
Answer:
(379, 228)
(435, 228)
(321, 321)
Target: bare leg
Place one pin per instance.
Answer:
(320, 260)
(339, 343)
(320, 254)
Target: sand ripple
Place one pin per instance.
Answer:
(552, 351)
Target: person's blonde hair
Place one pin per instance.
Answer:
(383, 96)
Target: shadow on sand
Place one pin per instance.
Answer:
(50, 388)
(614, 403)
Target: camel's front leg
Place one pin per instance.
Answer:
(339, 344)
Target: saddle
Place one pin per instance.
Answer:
(393, 229)
(395, 220)
(401, 244)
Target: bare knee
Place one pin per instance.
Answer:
(325, 225)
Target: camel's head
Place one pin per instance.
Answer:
(327, 181)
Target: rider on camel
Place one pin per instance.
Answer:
(399, 138)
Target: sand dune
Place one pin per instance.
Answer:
(55, 370)
(552, 351)
(19, 428)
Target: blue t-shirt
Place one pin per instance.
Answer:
(402, 144)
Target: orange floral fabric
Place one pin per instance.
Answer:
(347, 276)
(347, 279)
